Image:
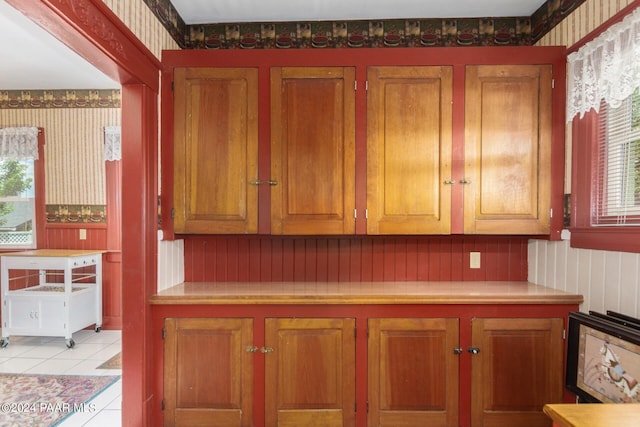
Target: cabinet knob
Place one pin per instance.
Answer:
(465, 181)
(251, 349)
(457, 350)
(473, 350)
(449, 182)
(255, 182)
(266, 350)
(272, 182)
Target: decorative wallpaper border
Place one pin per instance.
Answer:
(510, 31)
(64, 98)
(94, 214)
(549, 15)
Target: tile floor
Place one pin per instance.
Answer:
(50, 355)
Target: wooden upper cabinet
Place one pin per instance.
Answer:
(422, 175)
(215, 150)
(409, 143)
(312, 150)
(507, 149)
(413, 372)
(310, 372)
(208, 374)
(517, 370)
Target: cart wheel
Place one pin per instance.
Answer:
(4, 342)
(71, 343)
(98, 329)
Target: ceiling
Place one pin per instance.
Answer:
(208, 11)
(33, 59)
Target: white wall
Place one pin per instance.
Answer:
(170, 262)
(607, 280)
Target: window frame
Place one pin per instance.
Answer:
(585, 183)
(584, 179)
(610, 189)
(40, 217)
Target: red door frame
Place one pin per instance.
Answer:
(92, 30)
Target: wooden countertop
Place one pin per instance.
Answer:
(362, 293)
(62, 253)
(594, 414)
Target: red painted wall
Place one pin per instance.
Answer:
(353, 258)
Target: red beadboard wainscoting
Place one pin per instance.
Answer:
(66, 236)
(353, 258)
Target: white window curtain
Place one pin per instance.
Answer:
(19, 143)
(112, 145)
(606, 68)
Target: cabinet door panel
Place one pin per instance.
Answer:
(208, 374)
(409, 119)
(517, 371)
(413, 372)
(52, 316)
(310, 376)
(215, 150)
(313, 150)
(21, 314)
(507, 149)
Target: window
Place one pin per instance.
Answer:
(21, 188)
(603, 106)
(17, 204)
(617, 199)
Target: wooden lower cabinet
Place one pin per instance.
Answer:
(419, 371)
(310, 376)
(413, 372)
(309, 371)
(208, 372)
(517, 370)
(413, 364)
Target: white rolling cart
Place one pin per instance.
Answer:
(36, 302)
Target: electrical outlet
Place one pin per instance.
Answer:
(83, 234)
(474, 259)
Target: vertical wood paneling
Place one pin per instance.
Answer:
(355, 259)
(608, 280)
(170, 263)
(629, 283)
(67, 237)
(111, 291)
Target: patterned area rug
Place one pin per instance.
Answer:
(46, 400)
(114, 363)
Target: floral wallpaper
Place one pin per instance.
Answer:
(508, 31)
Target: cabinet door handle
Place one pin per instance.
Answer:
(272, 182)
(449, 182)
(251, 349)
(255, 182)
(266, 350)
(457, 350)
(473, 350)
(465, 181)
